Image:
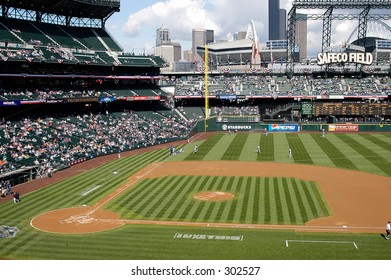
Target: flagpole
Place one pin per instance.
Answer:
(206, 82)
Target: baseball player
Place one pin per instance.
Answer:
(323, 133)
(265, 131)
(259, 149)
(388, 227)
(195, 149)
(289, 152)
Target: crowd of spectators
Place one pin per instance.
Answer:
(235, 111)
(53, 143)
(41, 94)
(274, 87)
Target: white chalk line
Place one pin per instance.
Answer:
(320, 241)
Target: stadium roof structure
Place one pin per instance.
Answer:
(234, 52)
(228, 53)
(99, 9)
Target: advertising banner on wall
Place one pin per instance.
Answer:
(343, 127)
(284, 127)
(236, 127)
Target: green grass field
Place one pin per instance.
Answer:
(289, 201)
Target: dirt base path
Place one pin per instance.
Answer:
(359, 201)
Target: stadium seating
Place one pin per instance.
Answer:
(65, 139)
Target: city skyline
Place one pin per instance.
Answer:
(134, 27)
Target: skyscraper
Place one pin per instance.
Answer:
(162, 36)
(277, 21)
(170, 51)
(282, 25)
(201, 37)
(301, 35)
(274, 19)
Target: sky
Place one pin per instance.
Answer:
(134, 27)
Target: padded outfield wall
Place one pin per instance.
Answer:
(213, 124)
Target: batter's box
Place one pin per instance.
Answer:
(81, 219)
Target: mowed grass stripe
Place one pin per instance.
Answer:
(227, 205)
(266, 202)
(234, 202)
(218, 150)
(296, 188)
(324, 209)
(137, 198)
(335, 155)
(188, 206)
(166, 197)
(308, 202)
(205, 147)
(241, 213)
(183, 209)
(250, 193)
(215, 184)
(277, 198)
(235, 148)
(267, 148)
(288, 198)
(227, 185)
(182, 192)
(256, 200)
(375, 144)
(299, 152)
(166, 189)
(377, 141)
(249, 149)
(367, 153)
(203, 206)
(196, 206)
(223, 182)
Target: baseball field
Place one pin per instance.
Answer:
(329, 200)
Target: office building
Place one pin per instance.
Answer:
(301, 35)
(162, 36)
(277, 21)
(274, 19)
(201, 37)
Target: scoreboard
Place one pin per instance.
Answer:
(351, 109)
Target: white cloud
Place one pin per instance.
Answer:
(223, 16)
(180, 16)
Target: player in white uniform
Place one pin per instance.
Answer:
(323, 133)
(388, 228)
(289, 152)
(259, 149)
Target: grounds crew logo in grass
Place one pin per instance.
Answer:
(8, 232)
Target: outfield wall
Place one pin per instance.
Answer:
(212, 125)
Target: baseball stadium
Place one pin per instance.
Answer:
(113, 160)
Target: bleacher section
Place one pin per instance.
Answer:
(61, 141)
(63, 44)
(274, 87)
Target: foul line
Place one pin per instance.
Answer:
(320, 241)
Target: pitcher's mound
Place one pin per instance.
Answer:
(213, 196)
